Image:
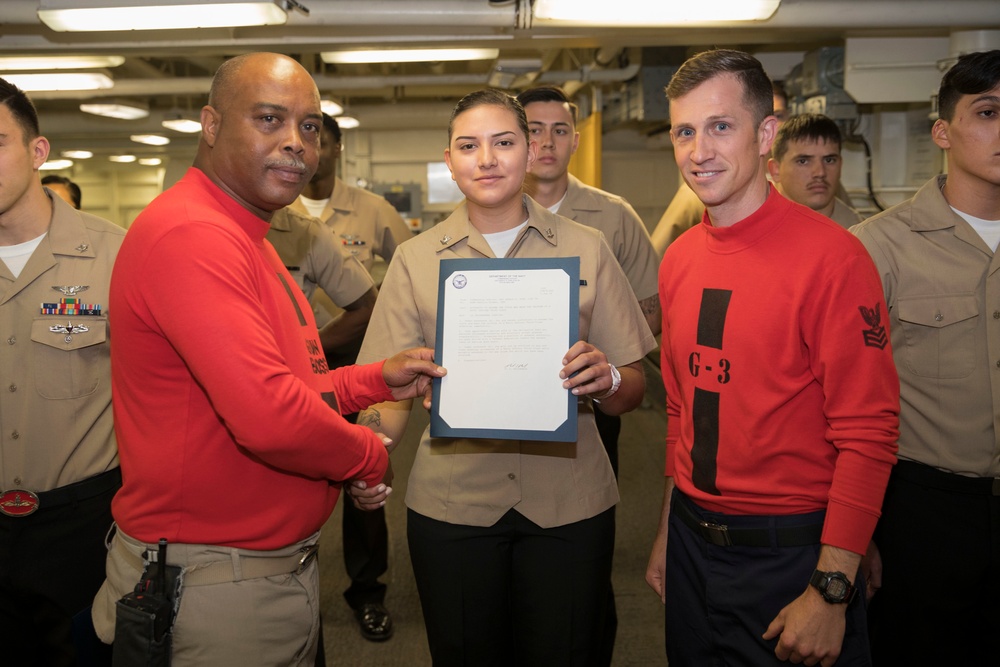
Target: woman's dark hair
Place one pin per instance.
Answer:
(489, 96)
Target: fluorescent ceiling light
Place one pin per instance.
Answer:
(150, 161)
(124, 110)
(178, 123)
(406, 55)
(122, 158)
(150, 139)
(22, 63)
(647, 13)
(330, 108)
(77, 155)
(53, 165)
(103, 15)
(37, 81)
(347, 122)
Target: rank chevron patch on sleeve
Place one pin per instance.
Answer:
(875, 335)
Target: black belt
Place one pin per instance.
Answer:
(64, 495)
(926, 475)
(724, 536)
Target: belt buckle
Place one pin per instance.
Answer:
(308, 554)
(18, 503)
(715, 533)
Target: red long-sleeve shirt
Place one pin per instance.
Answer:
(217, 381)
(782, 395)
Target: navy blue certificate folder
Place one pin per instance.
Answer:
(503, 342)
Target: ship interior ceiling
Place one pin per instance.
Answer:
(869, 48)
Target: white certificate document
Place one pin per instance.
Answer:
(503, 328)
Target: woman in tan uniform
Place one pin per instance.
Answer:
(511, 541)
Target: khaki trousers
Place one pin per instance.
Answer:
(260, 622)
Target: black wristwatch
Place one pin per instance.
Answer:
(835, 587)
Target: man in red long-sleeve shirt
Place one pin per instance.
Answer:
(782, 398)
(228, 419)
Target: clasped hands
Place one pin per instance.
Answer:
(409, 374)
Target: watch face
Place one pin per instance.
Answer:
(833, 586)
(836, 588)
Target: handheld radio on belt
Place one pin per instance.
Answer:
(144, 617)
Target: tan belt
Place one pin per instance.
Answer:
(237, 568)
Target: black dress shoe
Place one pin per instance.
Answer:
(375, 622)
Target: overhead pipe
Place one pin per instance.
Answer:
(591, 74)
(879, 13)
(338, 84)
(477, 16)
(517, 14)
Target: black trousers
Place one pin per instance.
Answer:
(51, 566)
(939, 537)
(365, 546)
(366, 550)
(609, 427)
(512, 593)
(720, 599)
(366, 554)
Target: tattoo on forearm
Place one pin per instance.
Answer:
(649, 305)
(371, 418)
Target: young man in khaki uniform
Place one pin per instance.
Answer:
(313, 259)
(363, 223)
(937, 256)
(805, 166)
(552, 122)
(58, 459)
(369, 229)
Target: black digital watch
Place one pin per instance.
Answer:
(835, 587)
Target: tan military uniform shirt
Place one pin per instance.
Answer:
(622, 228)
(942, 287)
(844, 215)
(55, 400)
(684, 212)
(475, 482)
(314, 259)
(364, 224)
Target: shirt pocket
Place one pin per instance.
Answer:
(939, 334)
(351, 247)
(71, 355)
